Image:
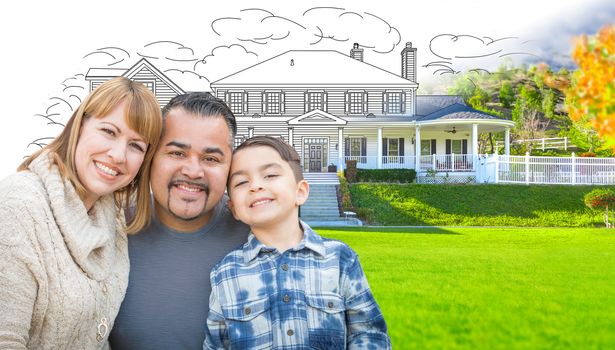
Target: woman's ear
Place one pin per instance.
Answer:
(303, 191)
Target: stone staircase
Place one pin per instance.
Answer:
(321, 208)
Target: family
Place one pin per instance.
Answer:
(138, 228)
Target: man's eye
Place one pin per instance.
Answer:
(177, 153)
(211, 159)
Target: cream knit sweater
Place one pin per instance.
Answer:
(63, 273)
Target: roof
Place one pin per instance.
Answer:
(94, 73)
(457, 111)
(427, 104)
(307, 68)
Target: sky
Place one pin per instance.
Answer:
(48, 47)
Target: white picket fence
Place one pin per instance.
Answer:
(542, 143)
(550, 170)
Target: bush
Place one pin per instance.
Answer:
(346, 202)
(600, 198)
(351, 171)
(386, 175)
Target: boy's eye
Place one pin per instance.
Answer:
(239, 183)
(268, 176)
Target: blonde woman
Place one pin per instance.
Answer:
(63, 248)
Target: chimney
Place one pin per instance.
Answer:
(408, 62)
(356, 52)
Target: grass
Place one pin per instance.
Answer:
(474, 205)
(491, 288)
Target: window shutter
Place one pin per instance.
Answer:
(464, 146)
(433, 146)
(347, 147)
(385, 103)
(363, 147)
(401, 146)
(282, 103)
(385, 146)
(264, 103)
(325, 106)
(306, 97)
(346, 102)
(227, 98)
(403, 102)
(448, 146)
(365, 110)
(245, 102)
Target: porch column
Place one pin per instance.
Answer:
(290, 137)
(474, 145)
(379, 148)
(507, 142)
(250, 132)
(417, 148)
(340, 149)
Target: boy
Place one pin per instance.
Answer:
(287, 287)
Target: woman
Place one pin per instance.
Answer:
(63, 248)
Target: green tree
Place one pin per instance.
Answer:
(507, 94)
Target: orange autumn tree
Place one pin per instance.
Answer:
(591, 94)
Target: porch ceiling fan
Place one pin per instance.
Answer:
(452, 131)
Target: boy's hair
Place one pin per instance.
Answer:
(286, 151)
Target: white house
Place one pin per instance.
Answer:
(334, 107)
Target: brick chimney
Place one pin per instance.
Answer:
(356, 52)
(408, 62)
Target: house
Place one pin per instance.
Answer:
(334, 107)
(142, 71)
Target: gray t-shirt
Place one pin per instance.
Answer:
(167, 299)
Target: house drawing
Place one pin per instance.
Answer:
(333, 107)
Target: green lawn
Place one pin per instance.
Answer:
(474, 205)
(491, 288)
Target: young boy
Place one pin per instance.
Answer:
(287, 287)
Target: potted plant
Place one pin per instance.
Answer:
(332, 168)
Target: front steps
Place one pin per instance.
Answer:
(321, 208)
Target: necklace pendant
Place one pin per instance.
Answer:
(102, 329)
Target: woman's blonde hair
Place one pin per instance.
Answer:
(142, 115)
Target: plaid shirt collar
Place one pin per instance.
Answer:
(310, 240)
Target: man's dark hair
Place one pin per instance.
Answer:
(203, 104)
(286, 151)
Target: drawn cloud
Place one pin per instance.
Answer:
(460, 52)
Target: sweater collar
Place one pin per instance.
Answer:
(90, 239)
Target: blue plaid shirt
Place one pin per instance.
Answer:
(312, 296)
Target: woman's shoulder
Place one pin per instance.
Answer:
(21, 196)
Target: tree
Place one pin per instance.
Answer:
(591, 94)
(600, 198)
(507, 94)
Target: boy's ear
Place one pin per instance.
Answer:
(229, 204)
(303, 191)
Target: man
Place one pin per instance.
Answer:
(167, 300)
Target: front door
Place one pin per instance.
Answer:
(315, 158)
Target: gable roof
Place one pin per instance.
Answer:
(457, 111)
(144, 64)
(316, 68)
(427, 104)
(317, 117)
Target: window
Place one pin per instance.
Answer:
(394, 102)
(148, 84)
(356, 149)
(315, 100)
(456, 146)
(393, 150)
(428, 147)
(356, 102)
(235, 102)
(273, 102)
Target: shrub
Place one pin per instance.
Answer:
(386, 175)
(346, 202)
(351, 171)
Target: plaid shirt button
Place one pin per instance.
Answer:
(286, 298)
(285, 267)
(247, 311)
(290, 332)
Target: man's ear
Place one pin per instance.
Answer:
(303, 191)
(230, 206)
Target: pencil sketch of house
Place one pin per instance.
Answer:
(333, 107)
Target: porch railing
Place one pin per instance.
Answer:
(447, 162)
(390, 162)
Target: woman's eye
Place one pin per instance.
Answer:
(108, 131)
(138, 147)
